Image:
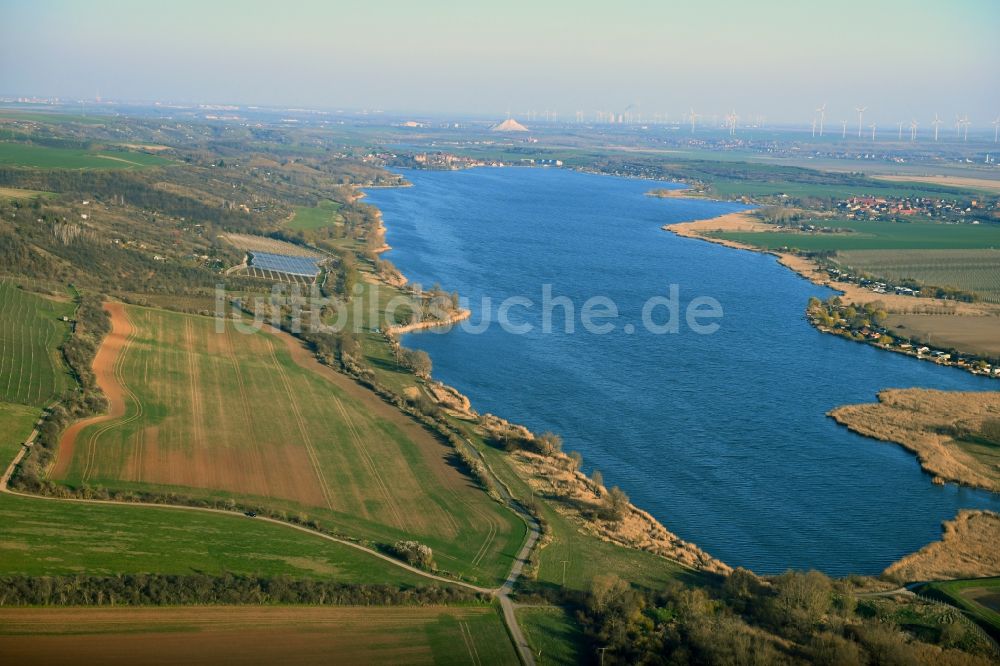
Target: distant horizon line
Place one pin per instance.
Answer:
(609, 118)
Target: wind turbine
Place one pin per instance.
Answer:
(958, 126)
(693, 118)
(731, 120)
(937, 123)
(900, 123)
(843, 134)
(966, 122)
(861, 112)
(913, 130)
(996, 129)
(822, 116)
(873, 132)
(814, 127)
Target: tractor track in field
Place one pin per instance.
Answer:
(370, 462)
(257, 457)
(105, 362)
(303, 430)
(128, 394)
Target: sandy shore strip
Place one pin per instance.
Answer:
(686, 192)
(454, 318)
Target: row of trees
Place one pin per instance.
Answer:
(177, 589)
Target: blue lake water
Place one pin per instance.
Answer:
(723, 437)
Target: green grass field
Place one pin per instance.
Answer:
(42, 157)
(42, 537)
(976, 271)
(878, 236)
(210, 635)
(734, 188)
(16, 422)
(323, 215)
(553, 635)
(54, 118)
(31, 369)
(227, 415)
(18, 193)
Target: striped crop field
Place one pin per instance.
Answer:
(31, 329)
(977, 271)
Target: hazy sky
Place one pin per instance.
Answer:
(779, 58)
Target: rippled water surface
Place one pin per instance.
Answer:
(722, 437)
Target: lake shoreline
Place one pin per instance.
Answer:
(690, 229)
(808, 269)
(657, 539)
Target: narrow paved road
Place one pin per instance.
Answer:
(503, 592)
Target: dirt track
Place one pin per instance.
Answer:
(104, 366)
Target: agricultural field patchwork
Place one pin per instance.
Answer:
(976, 271)
(248, 635)
(43, 157)
(31, 329)
(221, 414)
(44, 537)
(878, 236)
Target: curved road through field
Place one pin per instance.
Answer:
(501, 593)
